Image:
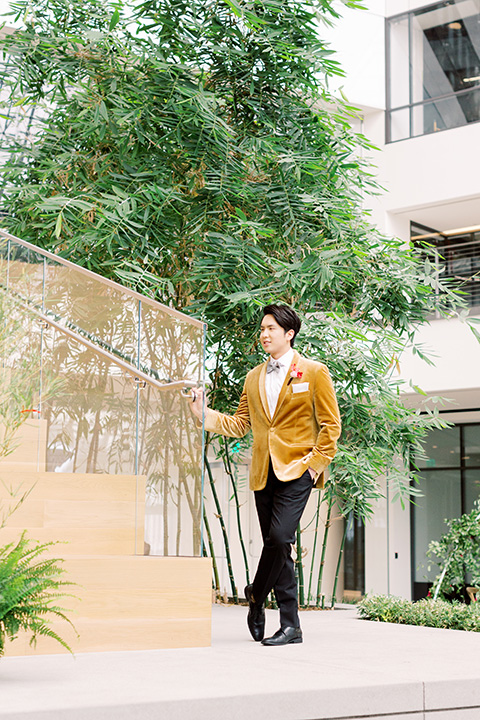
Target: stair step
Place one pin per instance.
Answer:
(97, 541)
(132, 603)
(29, 444)
(118, 635)
(96, 513)
(71, 486)
(123, 601)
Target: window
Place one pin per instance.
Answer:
(433, 69)
(450, 482)
(354, 559)
(456, 255)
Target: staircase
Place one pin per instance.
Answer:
(105, 435)
(124, 600)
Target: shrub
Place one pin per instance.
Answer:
(29, 591)
(427, 613)
(457, 554)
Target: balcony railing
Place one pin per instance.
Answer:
(460, 261)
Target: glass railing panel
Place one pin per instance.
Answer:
(91, 430)
(170, 344)
(22, 428)
(102, 416)
(170, 454)
(25, 274)
(103, 313)
(170, 437)
(3, 262)
(91, 414)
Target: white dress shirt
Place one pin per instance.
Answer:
(274, 380)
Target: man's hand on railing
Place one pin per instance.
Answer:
(198, 402)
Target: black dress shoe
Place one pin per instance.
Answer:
(285, 636)
(255, 617)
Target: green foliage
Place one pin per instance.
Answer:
(428, 613)
(29, 591)
(457, 554)
(192, 150)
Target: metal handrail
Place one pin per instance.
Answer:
(136, 374)
(111, 283)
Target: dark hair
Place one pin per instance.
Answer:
(285, 317)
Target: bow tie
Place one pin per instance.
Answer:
(273, 366)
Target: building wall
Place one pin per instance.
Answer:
(433, 180)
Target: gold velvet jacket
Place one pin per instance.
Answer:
(301, 434)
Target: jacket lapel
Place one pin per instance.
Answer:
(263, 394)
(283, 391)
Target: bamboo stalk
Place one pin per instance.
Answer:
(166, 478)
(340, 555)
(299, 569)
(224, 530)
(228, 469)
(212, 553)
(317, 519)
(328, 523)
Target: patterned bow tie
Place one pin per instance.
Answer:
(273, 366)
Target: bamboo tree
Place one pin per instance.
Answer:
(224, 529)
(212, 554)
(328, 522)
(314, 549)
(228, 468)
(339, 562)
(299, 568)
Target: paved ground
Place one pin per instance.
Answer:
(346, 668)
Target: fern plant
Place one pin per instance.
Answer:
(30, 588)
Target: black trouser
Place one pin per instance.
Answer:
(280, 506)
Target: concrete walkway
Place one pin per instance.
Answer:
(346, 668)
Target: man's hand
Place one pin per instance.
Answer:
(197, 403)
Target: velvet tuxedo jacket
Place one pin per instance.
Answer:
(302, 432)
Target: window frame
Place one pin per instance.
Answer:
(417, 588)
(410, 106)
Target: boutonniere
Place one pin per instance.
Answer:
(295, 374)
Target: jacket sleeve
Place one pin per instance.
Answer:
(236, 425)
(328, 419)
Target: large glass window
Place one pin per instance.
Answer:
(433, 69)
(450, 483)
(456, 256)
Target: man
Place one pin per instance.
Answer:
(290, 405)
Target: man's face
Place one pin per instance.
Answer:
(275, 341)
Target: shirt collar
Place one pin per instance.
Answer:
(286, 359)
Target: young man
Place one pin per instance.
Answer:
(290, 405)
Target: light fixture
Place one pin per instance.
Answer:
(455, 26)
(472, 79)
(427, 236)
(462, 231)
(455, 231)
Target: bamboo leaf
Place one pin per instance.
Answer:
(114, 21)
(58, 225)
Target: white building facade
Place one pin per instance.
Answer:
(413, 70)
